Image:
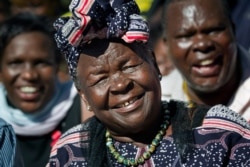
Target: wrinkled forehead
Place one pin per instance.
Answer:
(195, 12)
(115, 48)
(192, 8)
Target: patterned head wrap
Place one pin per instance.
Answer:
(98, 19)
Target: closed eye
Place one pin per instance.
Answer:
(15, 63)
(96, 80)
(131, 68)
(215, 30)
(184, 35)
(43, 63)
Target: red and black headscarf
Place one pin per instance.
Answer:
(98, 19)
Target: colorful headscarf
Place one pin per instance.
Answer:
(98, 19)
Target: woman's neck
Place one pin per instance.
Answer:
(145, 136)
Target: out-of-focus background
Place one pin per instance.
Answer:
(150, 9)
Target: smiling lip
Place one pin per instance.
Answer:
(130, 105)
(207, 68)
(28, 93)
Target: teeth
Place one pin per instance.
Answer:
(128, 103)
(206, 62)
(28, 89)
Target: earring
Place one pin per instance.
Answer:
(89, 108)
(160, 76)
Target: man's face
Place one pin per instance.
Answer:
(201, 43)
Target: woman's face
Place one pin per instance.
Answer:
(28, 71)
(122, 87)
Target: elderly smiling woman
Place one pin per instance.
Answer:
(105, 44)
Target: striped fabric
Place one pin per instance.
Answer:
(231, 121)
(221, 140)
(7, 144)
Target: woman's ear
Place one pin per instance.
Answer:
(84, 100)
(86, 108)
(82, 97)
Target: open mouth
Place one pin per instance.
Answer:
(28, 89)
(28, 93)
(208, 67)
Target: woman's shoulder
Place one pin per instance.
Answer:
(74, 139)
(78, 131)
(222, 117)
(74, 143)
(218, 117)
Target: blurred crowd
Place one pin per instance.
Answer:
(150, 9)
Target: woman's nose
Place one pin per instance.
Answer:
(29, 72)
(120, 84)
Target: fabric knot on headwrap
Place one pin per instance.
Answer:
(98, 19)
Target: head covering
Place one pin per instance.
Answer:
(98, 19)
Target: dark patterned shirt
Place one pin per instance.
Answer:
(223, 139)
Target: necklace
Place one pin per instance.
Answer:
(151, 148)
(191, 104)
